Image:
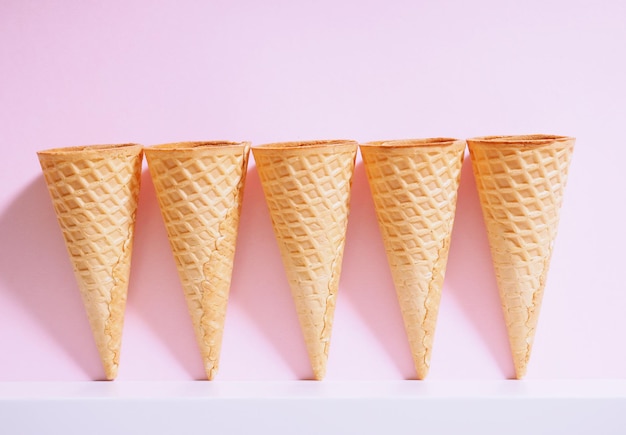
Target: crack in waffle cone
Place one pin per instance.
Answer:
(307, 190)
(520, 181)
(94, 191)
(199, 186)
(414, 186)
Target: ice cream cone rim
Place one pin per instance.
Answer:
(530, 140)
(196, 145)
(305, 144)
(85, 151)
(414, 143)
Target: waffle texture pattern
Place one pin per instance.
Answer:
(521, 188)
(414, 186)
(307, 190)
(94, 191)
(200, 187)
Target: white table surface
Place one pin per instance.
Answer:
(485, 407)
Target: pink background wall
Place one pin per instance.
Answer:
(85, 72)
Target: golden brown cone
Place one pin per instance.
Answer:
(200, 186)
(94, 190)
(307, 189)
(414, 185)
(520, 181)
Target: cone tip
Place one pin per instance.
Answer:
(421, 368)
(520, 370)
(319, 373)
(110, 372)
(210, 373)
(422, 373)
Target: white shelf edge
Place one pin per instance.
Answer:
(309, 407)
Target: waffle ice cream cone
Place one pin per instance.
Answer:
(520, 181)
(414, 185)
(94, 191)
(307, 189)
(200, 186)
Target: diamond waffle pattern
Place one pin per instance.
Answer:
(95, 199)
(307, 193)
(415, 190)
(200, 192)
(521, 191)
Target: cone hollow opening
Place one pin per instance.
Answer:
(196, 145)
(409, 143)
(91, 149)
(305, 144)
(524, 140)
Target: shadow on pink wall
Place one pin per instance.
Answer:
(366, 279)
(470, 277)
(155, 292)
(260, 286)
(35, 269)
